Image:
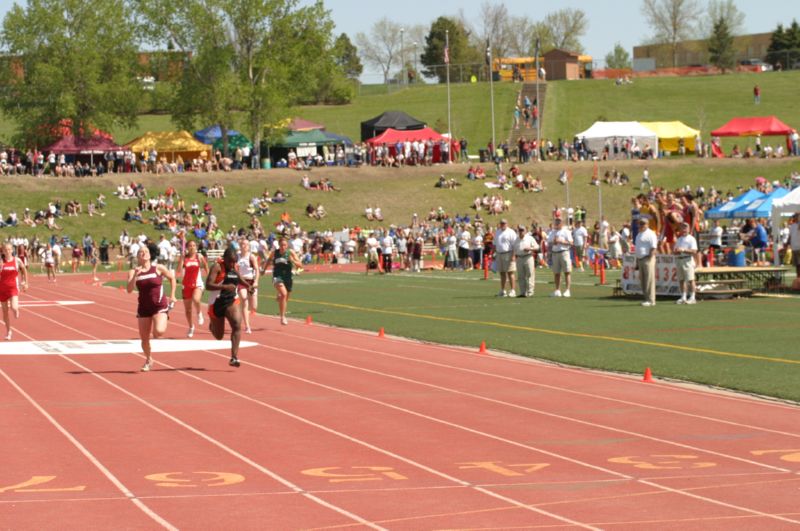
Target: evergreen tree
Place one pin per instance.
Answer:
(784, 47)
(346, 56)
(460, 51)
(720, 46)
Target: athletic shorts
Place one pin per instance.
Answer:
(287, 282)
(7, 294)
(188, 291)
(149, 311)
(220, 306)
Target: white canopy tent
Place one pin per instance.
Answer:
(784, 206)
(596, 136)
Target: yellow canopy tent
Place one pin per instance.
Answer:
(170, 144)
(670, 133)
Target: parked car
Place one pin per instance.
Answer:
(758, 63)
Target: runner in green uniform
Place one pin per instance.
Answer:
(282, 261)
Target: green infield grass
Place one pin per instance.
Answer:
(745, 345)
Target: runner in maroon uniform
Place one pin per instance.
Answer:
(11, 269)
(195, 268)
(153, 305)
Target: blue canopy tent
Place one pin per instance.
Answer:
(725, 211)
(339, 139)
(212, 133)
(760, 208)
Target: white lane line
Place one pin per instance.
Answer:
(515, 443)
(346, 437)
(92, 459)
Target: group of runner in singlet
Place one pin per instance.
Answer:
(232, 282)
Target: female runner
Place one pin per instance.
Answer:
(151, 313)
(282, 260)
(12, 271)
(223, 303)
(248, 269)
(192, 263)
(49, 259)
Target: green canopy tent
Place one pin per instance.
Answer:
(313, 138)
(234, 142)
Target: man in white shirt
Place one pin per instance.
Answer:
(794, 242)
(580, 237)
(387, 249)
(523, 255)
(715, 238)
(685, 250)
(504, 240)
(464, 239)
(560, 242)
(372, 252)
(646, 245)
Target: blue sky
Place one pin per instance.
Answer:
(610, 21)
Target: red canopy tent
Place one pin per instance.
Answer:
(73, 145)
(393, 136)
(754, 126)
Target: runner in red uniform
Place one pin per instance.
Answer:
(10, 274)
(195, 269)
(151, 313)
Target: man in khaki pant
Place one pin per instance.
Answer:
(524, 248)
(646, 246)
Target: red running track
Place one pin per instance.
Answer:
(325, 428)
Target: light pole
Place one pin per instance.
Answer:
(415, 61)
(402, 59)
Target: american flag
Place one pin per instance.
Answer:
(447, 55)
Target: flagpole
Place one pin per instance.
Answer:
(491, 96)
(449, 128)
(539, 110)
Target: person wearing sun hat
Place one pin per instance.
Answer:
(504, 240)
(560, 242)
(523, 255)
(646, 246)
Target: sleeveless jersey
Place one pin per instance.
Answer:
(281, 265)
(246, 267)
(151, 293)
(9, 283)
(191, 273)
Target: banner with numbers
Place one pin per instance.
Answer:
(666, 276)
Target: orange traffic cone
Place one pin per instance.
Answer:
(308, 319)
(482, 350)
(648, 376)
(380, 332)
(602, 272)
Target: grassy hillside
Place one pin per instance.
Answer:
(470, 110)
(702, 102)
(400, 193)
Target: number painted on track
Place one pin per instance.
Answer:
(373, 473)
(662, 462)
(793, 456)
(195, 479)
(25, 486)
(497, 468)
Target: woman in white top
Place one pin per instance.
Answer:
(248, 270)
(614, 247)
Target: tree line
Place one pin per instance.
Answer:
(242, 63)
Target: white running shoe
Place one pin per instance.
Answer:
(512, 293)
(556, 293)
(692, 301)
(248, 331)
(190, 333)
(147, 365)
(502, 294)
(648, 303)
(284, 321)
(681, 301)
(200, 319)
(8, 336)
(567, 294)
